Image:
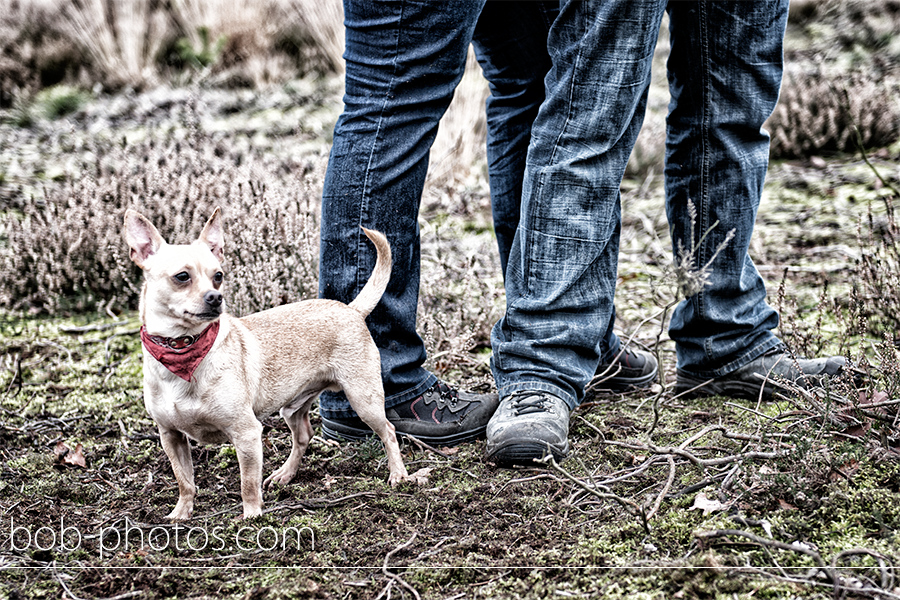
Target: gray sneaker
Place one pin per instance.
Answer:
(776, 370)
(528, 426)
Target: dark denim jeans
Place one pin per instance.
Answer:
(404, 60)
(724, 75)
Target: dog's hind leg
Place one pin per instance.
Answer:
(301, 433)
(178, 449)
(369, 406)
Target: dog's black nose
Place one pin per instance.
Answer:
(213, 298)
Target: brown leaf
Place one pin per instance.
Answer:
(783, 505)
(60, 450)
(845, 471)
(75, 457)
(420, 477)
(874, 398)
(858, 431)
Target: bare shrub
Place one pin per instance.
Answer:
(819, 111)
(244, 34)
(323, 22)
(67, 251)
(649, 152)
(876, 274)
(136, 43)
(845, 75)
(461, 138)
(461, 298)
(32, 52)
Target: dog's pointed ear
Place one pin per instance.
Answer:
(213, 236)
(142, 237)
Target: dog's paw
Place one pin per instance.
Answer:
(397, 477)
(181, 512)
(251, 511)
(280, 477)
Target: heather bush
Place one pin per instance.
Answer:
(33, 54)
(122, 38)
(138, 43)
(65, 250)
(876, 274)
(844, 77)
(460, 299)
(821, 111)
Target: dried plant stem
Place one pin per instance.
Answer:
(665, 491)
(393, 577)
(632, 506)
(831, 570)
(700, 462)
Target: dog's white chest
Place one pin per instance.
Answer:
(174, 403)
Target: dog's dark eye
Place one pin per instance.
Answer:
(183, 277)
(218, 277)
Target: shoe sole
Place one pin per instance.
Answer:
(525, 453)
(343, 433)
(685, 387)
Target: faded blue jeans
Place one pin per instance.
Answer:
(724, 74)
(404, 60)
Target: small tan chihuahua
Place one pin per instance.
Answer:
(210, 377)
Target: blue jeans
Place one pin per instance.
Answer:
(404, 60)
(724, 75)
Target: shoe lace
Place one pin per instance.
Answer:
(529, 403)
(447, 394)
(629, 357)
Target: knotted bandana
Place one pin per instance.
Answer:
(181, 355)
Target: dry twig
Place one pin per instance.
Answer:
(394, 578)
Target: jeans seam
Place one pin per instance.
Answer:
(364, 211)
(701, 258)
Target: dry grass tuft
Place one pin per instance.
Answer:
(123, 37)
(140, 43)
(460, 142)
(323, 22)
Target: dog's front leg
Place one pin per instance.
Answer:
(178, 449)
(247, 442)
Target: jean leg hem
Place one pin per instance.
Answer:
(429, 380)
(744, 359)
(347, 412)
(538, 386)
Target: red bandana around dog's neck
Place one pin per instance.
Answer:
(181, 355)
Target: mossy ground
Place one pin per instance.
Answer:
(479, 531)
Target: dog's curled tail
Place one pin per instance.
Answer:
(373, 290)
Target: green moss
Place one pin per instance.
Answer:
(58, 101)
